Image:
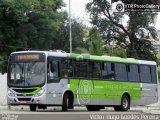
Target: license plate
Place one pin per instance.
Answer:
(23, 102)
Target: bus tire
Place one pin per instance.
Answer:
(33, 107)
(65, 102)
(93, 107)
(125, 104)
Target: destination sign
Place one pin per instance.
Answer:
(27, 57)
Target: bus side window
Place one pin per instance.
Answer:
(96, 73)
(66, 68)
(154, 74)
(94, 70)
(112, 67)
(121, 72)
(145, 74)
(133, 74)
(108, 71)
(53, 71)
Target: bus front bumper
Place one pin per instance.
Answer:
(13, 100)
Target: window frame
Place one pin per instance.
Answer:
(154, 82)
(49, 59)
(113, 70)
(149, 72)
(125, 66)
(101, 63)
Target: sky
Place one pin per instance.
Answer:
(78, 10)
(77, 7)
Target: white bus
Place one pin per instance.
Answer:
(53, 78)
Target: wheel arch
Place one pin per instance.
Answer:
(129, 96)
(126, 93)
(71, 95)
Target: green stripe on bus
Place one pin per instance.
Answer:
(100, 89)
(37, 89)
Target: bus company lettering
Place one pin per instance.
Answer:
(118, 87)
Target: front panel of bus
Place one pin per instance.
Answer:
(26, 78)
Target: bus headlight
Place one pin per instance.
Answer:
(39, 93)
(11, 94)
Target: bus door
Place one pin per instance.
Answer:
(53, 81)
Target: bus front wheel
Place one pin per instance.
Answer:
(32, 107)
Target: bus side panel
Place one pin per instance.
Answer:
(55, 92)
(110, 93)
(101, 92)
(105, 93)
(149, 94)
(74, 88)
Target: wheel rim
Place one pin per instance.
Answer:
(125, 102)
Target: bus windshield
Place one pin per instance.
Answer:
(26, 74)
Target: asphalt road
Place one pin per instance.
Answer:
(77, 114)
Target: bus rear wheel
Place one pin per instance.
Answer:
(65, 102)
(93, 107)
(33, 107)
(125, 104)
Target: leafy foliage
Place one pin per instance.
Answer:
(37, 25)
(95, 43)
(61, 40)
(110, 27)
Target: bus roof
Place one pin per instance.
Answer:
(111, 59)
(91, 57)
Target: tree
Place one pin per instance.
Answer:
(27, 24)
(109, 25)
(35, 25)
(62, 36)
(95, 43)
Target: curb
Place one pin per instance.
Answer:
(150, 110)
(154, 112)
(4, 107)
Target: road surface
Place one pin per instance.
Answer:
(77, 114)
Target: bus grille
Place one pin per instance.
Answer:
(24, 99)
(25, 90)
(24, 94)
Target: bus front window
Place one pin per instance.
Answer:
(26, 74)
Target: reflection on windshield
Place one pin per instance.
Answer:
(27, 74)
